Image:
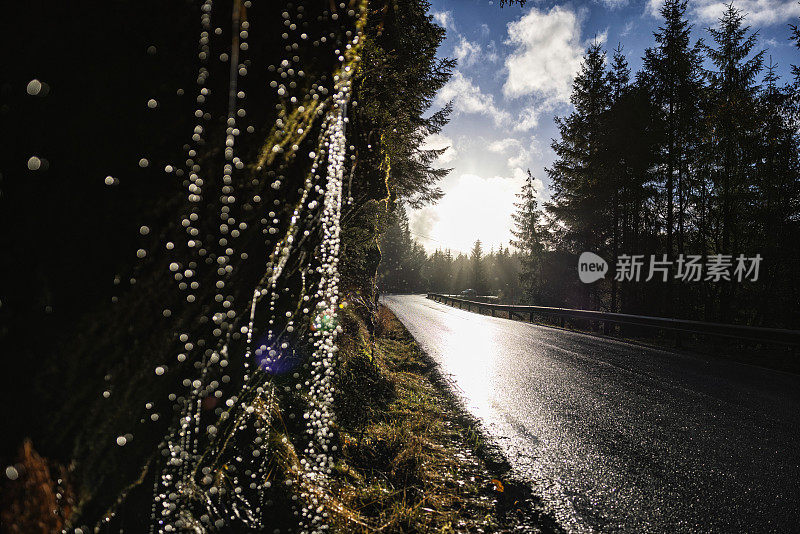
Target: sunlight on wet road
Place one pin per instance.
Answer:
(620, 438)
(475, 363)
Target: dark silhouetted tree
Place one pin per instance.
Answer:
(529, 234)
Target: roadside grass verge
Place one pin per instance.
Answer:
(412, 460)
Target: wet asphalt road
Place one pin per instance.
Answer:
(620, 438)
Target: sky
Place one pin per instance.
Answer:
(514, 75)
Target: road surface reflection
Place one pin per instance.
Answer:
(620, 438)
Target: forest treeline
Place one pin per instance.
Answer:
(407, 268)
(694, 155)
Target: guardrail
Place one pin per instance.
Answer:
(749, 333)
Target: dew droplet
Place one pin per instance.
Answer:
(34, 87)
(34, 163)
(12, 473)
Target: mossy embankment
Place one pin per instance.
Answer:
(408, 458)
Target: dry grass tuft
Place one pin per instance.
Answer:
(35, 502)
(386, 325)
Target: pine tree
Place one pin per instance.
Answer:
(529, 233)
(399, 77)
(620, 75)
(682, 160)
(620, 82)
(579, 193)
(506, 273)
(477, 271)
(734, 124)
(672, 75)
(439, 271)
(775, 204)
(577, 190)
(795, 39)
(402, 258)
(672, 72)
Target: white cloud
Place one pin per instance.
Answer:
(547, 54)
(538, 185)
(491, 52)
(614, 4)
(519, 174)
(528, 118)
(437, 142)
(529, 115)
(468, 98)
(628, 27)
(759, 12)
(653, 7)
(444, 19)
(485, 31)
(521, 159)
(467, 53)
(519, 154)
(502, 146)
